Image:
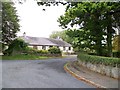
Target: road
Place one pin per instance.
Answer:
(39, 74)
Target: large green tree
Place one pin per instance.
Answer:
(62, 35)
(10, 25)
(96, 19)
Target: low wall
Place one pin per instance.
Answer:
(110, 71)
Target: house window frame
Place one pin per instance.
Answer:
(57, 46)
(43, 47)
(35, 47)
(50, 46)
(64, 48)
(69, 48)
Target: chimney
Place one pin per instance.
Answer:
(24, 34)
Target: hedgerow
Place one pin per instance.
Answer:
(99, 60)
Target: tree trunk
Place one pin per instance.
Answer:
(99, 46)
(109, 37)
(98, 36)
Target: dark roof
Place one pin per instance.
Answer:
(44, 41)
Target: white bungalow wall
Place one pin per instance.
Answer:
(63, 49)
(39, 47)
(47, 47)
(71, 50)
(30, 46)
(66, 49)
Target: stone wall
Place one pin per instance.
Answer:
(110, 71)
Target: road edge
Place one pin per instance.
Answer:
(80, 77)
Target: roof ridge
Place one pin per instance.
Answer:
(45, 41)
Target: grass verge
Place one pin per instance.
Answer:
(24, 57)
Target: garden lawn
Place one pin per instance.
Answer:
(24, 57)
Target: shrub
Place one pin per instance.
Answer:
(30, 51)
(116, 54)
(17, 46)
(35, 51)
(54, 50)
(99, 60)
(42, 51)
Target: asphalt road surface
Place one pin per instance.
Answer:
(39, 74)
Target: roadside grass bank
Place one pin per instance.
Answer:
(108, 66)
(24, 57)
(28, 57)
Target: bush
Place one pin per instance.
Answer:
(30, 51)
(116, 54)
(99, 60)
(51, 52)
(35, 51)
(54, 50)
(92, 53)
(17, 46)
(42, 51)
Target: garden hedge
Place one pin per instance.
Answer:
(116, 54)
(54, 50)
(110, 61)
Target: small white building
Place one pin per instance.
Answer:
(41, 43)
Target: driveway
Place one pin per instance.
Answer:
(39, 74)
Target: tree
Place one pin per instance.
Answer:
(80, 40)
(10, 25)
(95, 19)
(116, 46)
(17, 46)
(62, 35)
(80, 14)
(116, 43)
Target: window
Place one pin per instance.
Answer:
(64, 48)
(34, 47)
(69, 48)
(50, 46)
(44, 47)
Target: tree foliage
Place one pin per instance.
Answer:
(96, 19)
(10, 25)
(116, 43)
(62, 35)
(17, 46)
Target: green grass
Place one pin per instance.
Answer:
(24, 57)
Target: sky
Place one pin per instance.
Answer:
(36, 22)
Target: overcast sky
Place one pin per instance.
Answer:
(36, 22)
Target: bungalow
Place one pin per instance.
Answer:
(41, 43)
